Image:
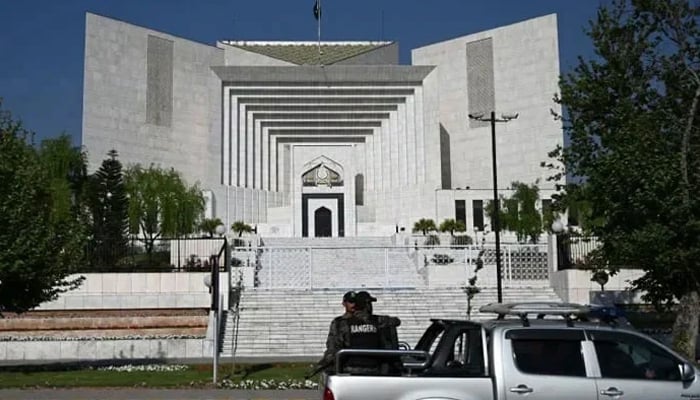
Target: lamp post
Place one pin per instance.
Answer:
(497, 208)
(212, 282)
(563, 248)
(209, 282)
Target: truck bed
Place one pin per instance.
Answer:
(355, 387)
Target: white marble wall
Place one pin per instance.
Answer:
(526, 72)
(575, 285)
(114, 102)
(138, 290)
(94, 350)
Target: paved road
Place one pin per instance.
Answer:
(156, 394)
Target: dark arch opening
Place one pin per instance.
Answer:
(323, 222)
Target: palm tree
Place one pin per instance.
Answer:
(452, 226)
(424, 225)
(241, 227)
(208, 226)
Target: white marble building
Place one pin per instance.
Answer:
(345, 143)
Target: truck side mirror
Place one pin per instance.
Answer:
(687, 372)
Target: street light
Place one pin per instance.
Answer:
(220, 230)
(497, 208)
(211, 281)
(557, 226)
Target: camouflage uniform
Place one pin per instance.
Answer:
(334, 342)
(339, 337)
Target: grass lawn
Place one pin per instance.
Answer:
(191, 376)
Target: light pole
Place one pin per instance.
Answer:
(496, 207)
(212, 282)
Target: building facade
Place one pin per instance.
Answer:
(331, 140)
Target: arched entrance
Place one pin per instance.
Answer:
(322, 198)
(323, 222)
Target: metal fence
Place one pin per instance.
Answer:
(520, 262)
(137, 254)
(390, 267)
(574, 249)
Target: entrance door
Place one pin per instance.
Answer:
(323, 222)
(332, 205)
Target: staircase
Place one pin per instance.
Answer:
(294, 323)
(354, 241)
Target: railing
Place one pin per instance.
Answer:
(388, 267)
(520, 262)
(573, 250)
(137, 254)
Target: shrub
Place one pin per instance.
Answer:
(461, 240)
(432, 240)
(442, 259)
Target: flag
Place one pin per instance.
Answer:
(317, 9)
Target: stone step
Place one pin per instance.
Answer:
(295, 323)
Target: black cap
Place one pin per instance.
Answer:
(365, 297)
(350, 297)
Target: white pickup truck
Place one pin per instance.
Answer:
(524, 354)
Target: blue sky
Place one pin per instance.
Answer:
(42, 41)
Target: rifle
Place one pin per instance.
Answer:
(320, 367)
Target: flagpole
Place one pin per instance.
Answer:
(319, 31)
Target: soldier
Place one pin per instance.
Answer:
(362, 331)
(335, 341)
(359, 329)
(390, 336)
(389, 339)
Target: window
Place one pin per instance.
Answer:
(548, 352)
(461, 212)
(478, 210)
(456, 352)
(547, 208)
(573, 218)
(359, 190)
(467, 356)
(626, 356)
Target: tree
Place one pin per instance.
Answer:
(241, 227)
(424, 225)
(521, 215)
(161, 203)
(209, 225)
(109, 211)
(519, 212)
(452, 226)
(40, 244)
(634, 152)
(66, 167)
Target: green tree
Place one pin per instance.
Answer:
(519, 213)
(209, 225)
(109, 210)
(452, 226)
(241, 227)
(632, 118)
(424, 226)
(40, 246)
(66, 167)
(161, 204)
